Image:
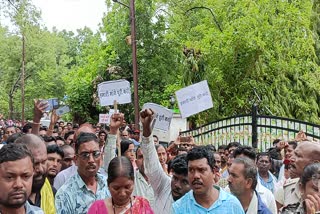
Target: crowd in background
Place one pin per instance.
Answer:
(71, 168)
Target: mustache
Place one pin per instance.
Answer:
(18, 192)
(91, 166)
(196, 182)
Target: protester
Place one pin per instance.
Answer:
(155, 139)
(121, 185)
(162, 155)
(102, 135)
(42, 193)
(16, 173)
(309, 186)
(242, 183)
(68, 137)
(87, 186)
(266, 178)
(127, 149)
(204, 197)
(142, 185)
(55, 156)
(265, 194)
(68, 156)
(306, 152)
(166, 190)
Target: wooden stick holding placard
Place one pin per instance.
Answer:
(115, 107)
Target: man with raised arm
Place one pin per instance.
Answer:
(166, 189)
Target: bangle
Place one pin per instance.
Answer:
(35, 123)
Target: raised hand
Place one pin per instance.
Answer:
(146, 118)
(39, 109)
(312, 204)
(116, 122)
(54, 117)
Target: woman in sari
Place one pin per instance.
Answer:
(121, 185)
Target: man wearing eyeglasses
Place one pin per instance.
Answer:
(87, 186)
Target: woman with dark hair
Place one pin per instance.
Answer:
(309, 186)
(162, 155)
(127, 149)
(121, 184)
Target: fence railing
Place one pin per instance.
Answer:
(252, 129)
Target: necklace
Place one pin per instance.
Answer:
(114, 206)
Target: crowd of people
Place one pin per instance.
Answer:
(67, 168)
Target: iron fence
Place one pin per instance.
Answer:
(252, 129)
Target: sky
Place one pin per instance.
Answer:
(71, 14)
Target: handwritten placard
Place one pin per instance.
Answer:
(104, 118)
(110, 91)
(163, 116)
(194, 99)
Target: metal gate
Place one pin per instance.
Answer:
(252, 129)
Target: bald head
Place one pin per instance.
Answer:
(31, 141)
(306, 152)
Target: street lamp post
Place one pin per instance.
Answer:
(134, 59)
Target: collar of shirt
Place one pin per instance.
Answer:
(253, 206)
(101, 182)
(222, 197)
(32, 209)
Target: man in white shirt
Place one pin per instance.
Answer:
(166, 190)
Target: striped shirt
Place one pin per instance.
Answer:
(159, 180)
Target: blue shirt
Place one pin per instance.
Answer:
(270, 183)
(226, 203)
(32, 209)
(75, 198)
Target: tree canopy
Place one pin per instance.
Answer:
(264, 51)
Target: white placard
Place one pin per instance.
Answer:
(163, 116)
(104, 118)
(110, 91)
(194, 99)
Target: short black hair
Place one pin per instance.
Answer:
(14, 152)
(276, 141)
(48, 139)
(155, 136)
(179, 164)
(211, 147)
(55, 149)
(68, 134)
(43, 128)
(14, 137)
(59, 138)
(26, 127)
(233, 144)
(85, 137)
(247, 151)
(293, 143)
(264, 154)
(120, 167)
(224, 147)
(102, 131)
(200, 152)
